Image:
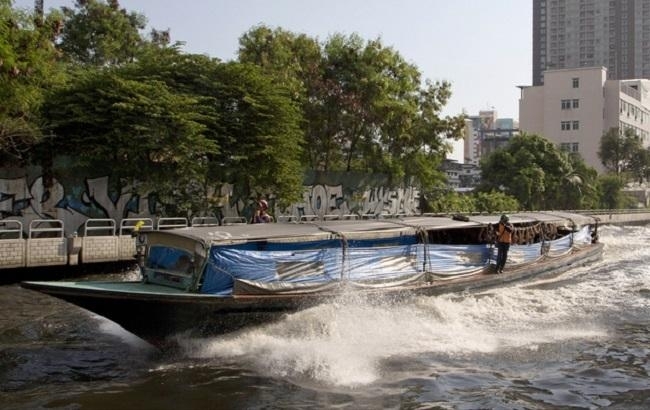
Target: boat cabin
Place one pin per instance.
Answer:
(278, 258)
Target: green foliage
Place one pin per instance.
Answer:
(640, 164)
(153, 133)
(259, 133)
(611, 187)
(617, 152)
(250, 117)
(173, 118)
(494, 202)
(447, 201)
(583, 181)
(100, 34)
(444, 201)
(292, 59)
(538, 175)
(186, 124)
(365, 107)
(28, 66)
(625, 154)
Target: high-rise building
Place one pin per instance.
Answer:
(592, 33)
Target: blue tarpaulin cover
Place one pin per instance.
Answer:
(368, 261)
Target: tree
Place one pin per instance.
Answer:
(534, 171)
(365, 107)
(583, 180)
(153, 134)
(252, 120)
(293, 59)
(259, 133)
(101, 34)
(639, 164)
(448, 201)
(620, 153)
(611, 187)
(28, 67)
(492, 202)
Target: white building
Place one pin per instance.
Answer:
(575, 107)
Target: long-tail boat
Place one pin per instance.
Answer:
(215, 279)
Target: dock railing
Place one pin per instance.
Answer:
(99, 243)
(12, 249)
(205, 221)
(171, 223)
(46, 243)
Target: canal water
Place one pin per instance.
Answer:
(581, 340)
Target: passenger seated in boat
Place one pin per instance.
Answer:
(504, 237)
(261, 213)
(183, 264)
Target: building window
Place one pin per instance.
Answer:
(565, 125)
(576, 82)
(569, 104)
(569, 146)
(576, 125)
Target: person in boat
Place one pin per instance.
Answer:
(183, 264)
(504, 238)
(261, 213)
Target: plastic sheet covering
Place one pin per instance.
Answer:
(560, 246)
(381, 263)
(226, 264)
(391, 241)
(303, 245)
(582, 237)
(518, 254)
(256, 287)
(453, 260)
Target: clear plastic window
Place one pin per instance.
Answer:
(171, 259)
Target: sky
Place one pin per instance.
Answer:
(483, 48)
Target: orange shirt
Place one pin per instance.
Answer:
(503, 235)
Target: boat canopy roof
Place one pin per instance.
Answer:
(566, 219)
(359, 229)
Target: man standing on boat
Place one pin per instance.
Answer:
(504, 237)
(261, 214)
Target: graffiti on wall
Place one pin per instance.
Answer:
(27, 201)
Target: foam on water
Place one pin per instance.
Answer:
(345, 343)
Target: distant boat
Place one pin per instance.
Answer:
(217, 279)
